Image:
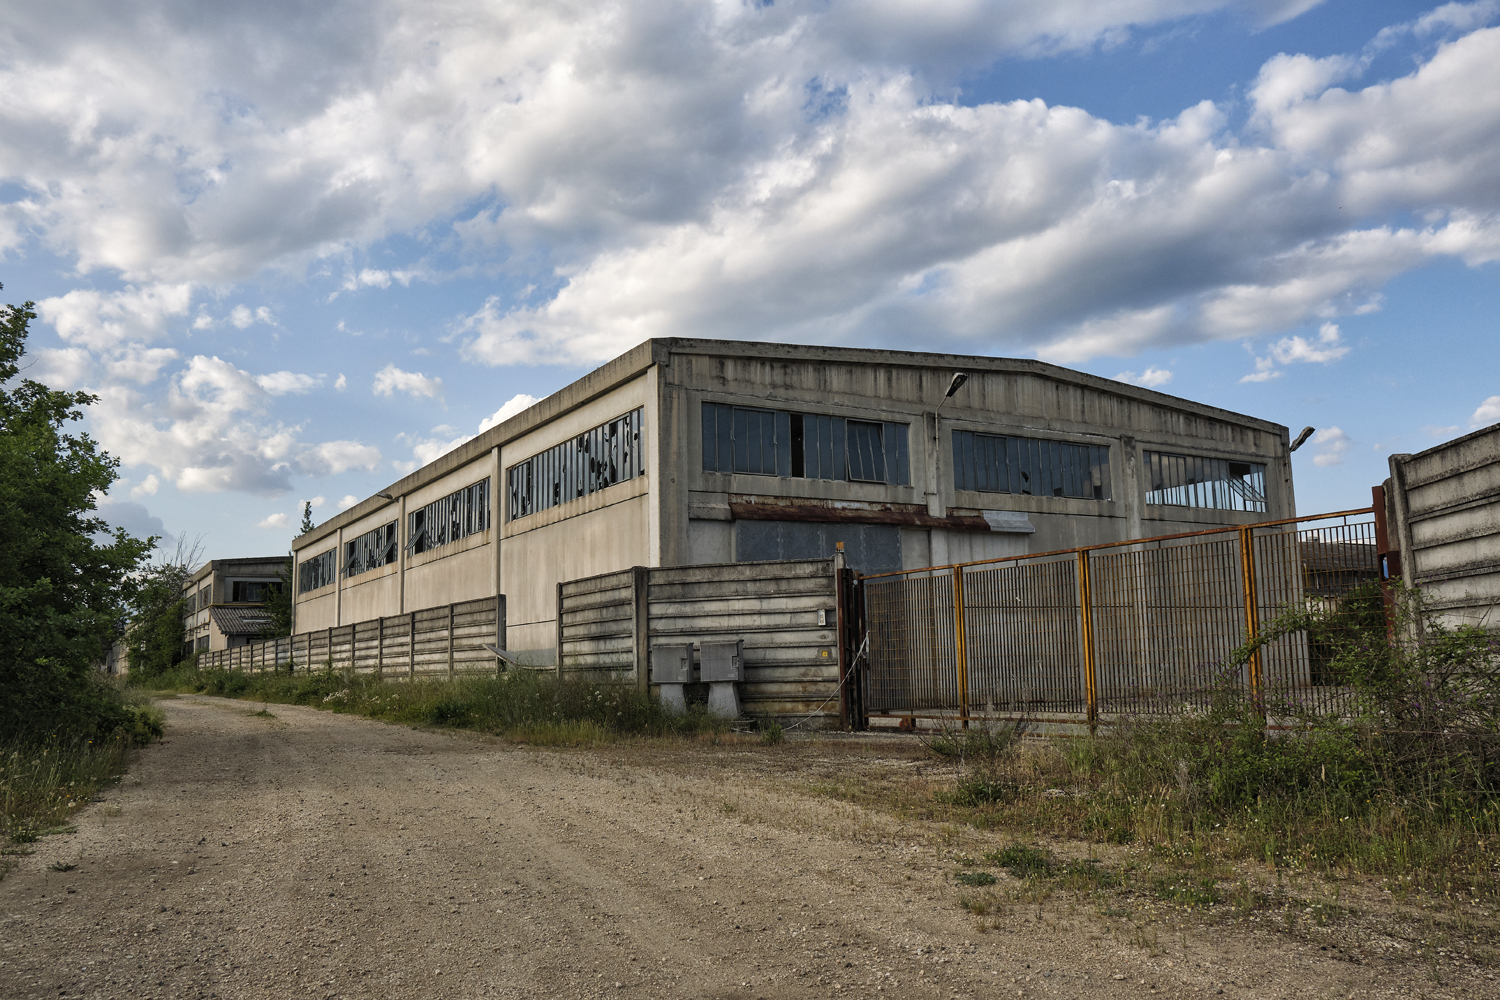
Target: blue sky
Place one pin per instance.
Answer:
(299, 249)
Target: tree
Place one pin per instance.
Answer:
(65, 578)
(155, 640)
(279, 604)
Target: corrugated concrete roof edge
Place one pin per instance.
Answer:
(659, 350)
(208, 567)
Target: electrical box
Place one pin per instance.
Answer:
(722, 661)
(672, 664)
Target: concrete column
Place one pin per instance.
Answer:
(1130, 491)
(401, 541)
(338, 580)
(931, 446)
(497, 516)
(666, 516)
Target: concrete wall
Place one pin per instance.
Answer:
(1446, 511)
(791, 661)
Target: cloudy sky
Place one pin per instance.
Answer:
(298, 249)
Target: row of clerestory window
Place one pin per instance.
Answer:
(597, 459)
(750, 441)
(459, 514)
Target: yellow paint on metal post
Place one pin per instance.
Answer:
(1252, 614)
(960, 648)
(1086, 623)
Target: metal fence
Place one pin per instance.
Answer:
(1084, 634)
(433, 642)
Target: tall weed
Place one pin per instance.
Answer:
(521, 704)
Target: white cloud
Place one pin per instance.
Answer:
(139, 364)
(1289, 350)
(1334, 443)
(342, 383)
(349, 501)
(100, 320)
(1487, 413)
(390, 380)
(284, 383)
(316, 502)
(1151, 378)
(277, 520)
(508, 409)
(61, 367)
(210, 432)
(146, 487)
(443, 438)
(785, 171)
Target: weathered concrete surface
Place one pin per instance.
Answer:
(1446, 515)
(315, 855)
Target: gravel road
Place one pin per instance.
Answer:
(317, 855)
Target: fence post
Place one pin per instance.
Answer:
(1086, 622)
(559, 629)
(411, 646)
(450, 642)
(1252, 615)
(960, 646)
(640, 628)
(499, 630)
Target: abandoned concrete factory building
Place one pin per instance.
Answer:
(684, 452)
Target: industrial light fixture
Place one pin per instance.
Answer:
(1301, 438)
(959, 378)
(385, 496)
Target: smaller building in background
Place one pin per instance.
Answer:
(226, 602)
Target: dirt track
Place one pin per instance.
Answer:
(313, 854)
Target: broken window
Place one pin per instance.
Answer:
(995, 463)
(595, 460)
(316, 572)
(457, 515)
(748, 440)
(371, 550)
(1213, 483)
(250, 591)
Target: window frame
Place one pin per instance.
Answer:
(806, 445)
(1018, 465)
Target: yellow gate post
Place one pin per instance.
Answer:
(1252, 615)
(960, 650)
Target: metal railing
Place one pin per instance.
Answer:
(1121, 627)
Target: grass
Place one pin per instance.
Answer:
(521, 705)
(43, 782)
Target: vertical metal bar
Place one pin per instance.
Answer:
(1252, 614)
(960, 648)
(411, 645)
(1086, 623)
(450, 642)
(380, 648)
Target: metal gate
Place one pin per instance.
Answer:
(1076, 635)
